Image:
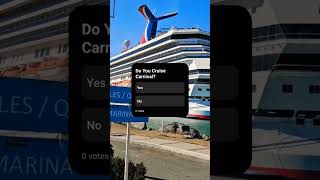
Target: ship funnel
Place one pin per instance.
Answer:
(152, 22)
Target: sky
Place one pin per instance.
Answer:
(129, 24)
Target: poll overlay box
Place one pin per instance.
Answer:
(89, 90)
(160, 89)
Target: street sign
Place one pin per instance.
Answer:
(120, 94)
(124, 114)
(42, 106)
(37, 105)
(33, 105)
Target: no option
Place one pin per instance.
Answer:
(160, 89)
(94, 125)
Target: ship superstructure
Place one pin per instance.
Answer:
(34, 37)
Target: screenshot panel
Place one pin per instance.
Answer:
(34, 57)
(35, 79)
(160, 52)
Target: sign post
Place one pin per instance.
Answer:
(123, 113)
(126, 162)
(161, 126)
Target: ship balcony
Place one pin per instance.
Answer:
(275, 46)
(199, 76)
(48, 69)
(270, 119)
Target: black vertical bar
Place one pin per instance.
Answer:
(231, 90)
(88, 103)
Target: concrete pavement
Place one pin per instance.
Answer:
(192, 150)
(164, 165)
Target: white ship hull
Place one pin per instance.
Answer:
(199, 109)
(281, 144)
(280, 147)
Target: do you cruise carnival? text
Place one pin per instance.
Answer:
(91, 48)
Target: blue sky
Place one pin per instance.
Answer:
(130, 24)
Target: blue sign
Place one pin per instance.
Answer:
(124, 114)
(37, 159)
(33, 105)
(37, 105)
(120, 94)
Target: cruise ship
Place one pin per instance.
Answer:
(286, 86)
(173, 45)
(34, 38)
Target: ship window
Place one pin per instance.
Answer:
(47, 51)
(273, 113)
(254, 88)
(60, 49)
(199, 81)
(37, 53)
(21, 58)
(42, 52)
(65, 48)
(287, 88)
(300, 121)
(253, 10)
(199, 71)
(208, 89)
(15, 58)
(263, 62)
(4, 60)
(199, 89)
(314, 89)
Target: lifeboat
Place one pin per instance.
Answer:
(62, 62)
(47, 64)
(122, 83)
(14, 71)
(31, 70)
(53, 69)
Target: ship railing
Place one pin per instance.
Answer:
(281, 35)
(165, 30)
(299, 116)
(307, 117)
(4, 2)
(268, 37)
(295, 117)
(302, 67)
(30, 8)
(200, 98)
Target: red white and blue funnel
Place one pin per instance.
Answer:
(152, 23)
